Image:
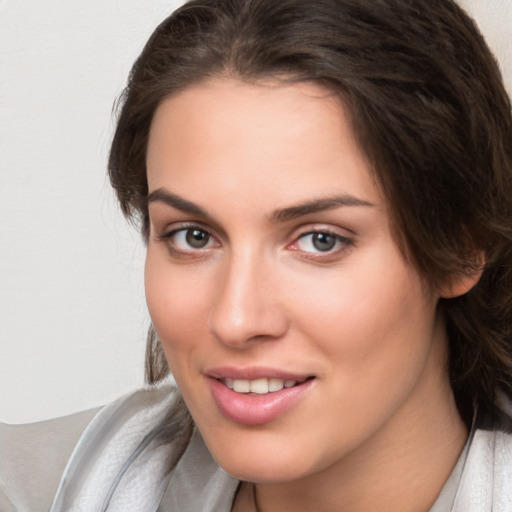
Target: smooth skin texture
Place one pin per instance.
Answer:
(237, 275)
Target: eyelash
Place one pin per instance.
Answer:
(342, 243)
(176, 252)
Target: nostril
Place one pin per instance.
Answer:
(239, 328)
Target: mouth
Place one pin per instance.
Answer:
(261, 386)
(257, 399)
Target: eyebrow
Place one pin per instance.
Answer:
(317, 205)
(175, 201)
(278, 215)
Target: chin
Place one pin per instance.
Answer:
(268, 472)
(260, 457)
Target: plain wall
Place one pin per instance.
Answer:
(72, 311)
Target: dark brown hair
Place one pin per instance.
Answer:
(430, 112)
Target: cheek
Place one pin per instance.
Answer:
(177, 304)
(364, 297)
(373, 318)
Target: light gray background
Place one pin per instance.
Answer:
(72, 311)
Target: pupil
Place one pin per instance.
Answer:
(323, 241)
(197, 238)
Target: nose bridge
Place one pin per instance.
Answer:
(245, 307)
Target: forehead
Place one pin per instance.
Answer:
(295, 138)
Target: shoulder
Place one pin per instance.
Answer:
(33, 458)
(486, 482)
(127, 453)
(38, 458)
(136, 453)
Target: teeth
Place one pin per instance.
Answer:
(242, 386)
(275, 384)
(258, 386)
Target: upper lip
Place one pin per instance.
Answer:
(255, 372)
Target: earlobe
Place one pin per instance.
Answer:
(460, 284)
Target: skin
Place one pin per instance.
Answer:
(378, 428)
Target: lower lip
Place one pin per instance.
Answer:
(253, 409)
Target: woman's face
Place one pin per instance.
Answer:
(271, 269)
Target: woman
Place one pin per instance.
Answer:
(325, 189)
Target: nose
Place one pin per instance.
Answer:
(246, 307)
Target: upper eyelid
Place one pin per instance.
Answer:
(340, 237)
(345, 234)
(293, 235)
(174, 227)
(324, 230)
(322, 227)
(207, 223)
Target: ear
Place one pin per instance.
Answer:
(459, 284)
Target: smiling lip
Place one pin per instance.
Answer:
(250, 408)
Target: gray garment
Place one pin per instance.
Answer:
(121, 463)
(32, 459)
(199, 484)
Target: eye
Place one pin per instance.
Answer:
(318, 242)
(190, 238)
(189, 241)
